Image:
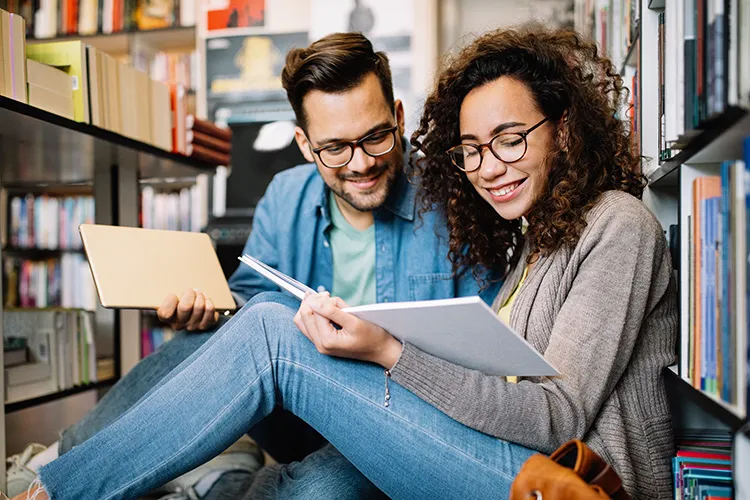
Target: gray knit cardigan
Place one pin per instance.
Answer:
(604, 313)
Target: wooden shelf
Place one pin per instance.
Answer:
(720, 139)
(37, 146)
(728, 414)
(176, 38)
(28, 403)
(39, 253)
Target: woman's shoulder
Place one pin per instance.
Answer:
(621, 215)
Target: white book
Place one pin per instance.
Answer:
(464, 330)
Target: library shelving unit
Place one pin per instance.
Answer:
(41, 152)
(680, 142)
(122, 42)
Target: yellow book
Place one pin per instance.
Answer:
(71, 58)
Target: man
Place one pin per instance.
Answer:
(346, 222)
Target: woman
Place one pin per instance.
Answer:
(520, 127)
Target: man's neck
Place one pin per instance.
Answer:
(359, 220)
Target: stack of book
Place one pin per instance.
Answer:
(714, 350)
(52, 350)
(45, 222)
(703, 465)
(63, 281)
(172, 210)
(207, 142)
(52, 18)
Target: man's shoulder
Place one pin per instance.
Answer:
(299, 175)
(297, 184)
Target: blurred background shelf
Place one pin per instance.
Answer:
(37, 146)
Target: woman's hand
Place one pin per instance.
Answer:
(357, 339)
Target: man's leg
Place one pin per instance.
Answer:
(257, 361)
(325, 473)
(133, 386)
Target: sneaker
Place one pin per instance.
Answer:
(18, 475)
(242, 456)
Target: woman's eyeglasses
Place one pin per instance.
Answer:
(339, 154)
(506, 147)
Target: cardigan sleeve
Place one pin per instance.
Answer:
(623, 271)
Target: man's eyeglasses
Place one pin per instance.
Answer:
(506, 147)
(339, 154)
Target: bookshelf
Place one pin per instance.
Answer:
(122, 42)
(692, 115)
(44, 153)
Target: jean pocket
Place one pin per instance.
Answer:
(431, 286)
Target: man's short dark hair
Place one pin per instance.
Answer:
(335, 63)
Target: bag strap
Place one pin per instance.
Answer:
(590, 467)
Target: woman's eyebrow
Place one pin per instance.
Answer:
(495, 131)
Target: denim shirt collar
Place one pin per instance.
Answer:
(401, 201)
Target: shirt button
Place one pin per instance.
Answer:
(326, 244)
(382, 249)
(321, 289)
(385, 299)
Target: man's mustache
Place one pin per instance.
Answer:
(373, 172)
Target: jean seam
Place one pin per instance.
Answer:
(197, 435)
(405, 421)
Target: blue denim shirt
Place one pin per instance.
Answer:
(290, 233)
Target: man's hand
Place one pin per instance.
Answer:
(357, 339)
(194, 312)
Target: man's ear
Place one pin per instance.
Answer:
(303, 144)
(398, 107)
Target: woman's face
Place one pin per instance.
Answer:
(505, 106)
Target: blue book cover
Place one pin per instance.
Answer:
(725, 277)
(714, 210)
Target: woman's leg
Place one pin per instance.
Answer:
(259, 359)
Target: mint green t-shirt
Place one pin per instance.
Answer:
(353, 259)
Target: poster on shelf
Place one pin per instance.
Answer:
(243, 75)
(389, 26)
(229, 14)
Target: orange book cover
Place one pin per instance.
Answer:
(703, 188)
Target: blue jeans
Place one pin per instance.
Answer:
(304, 467)
(259, 360)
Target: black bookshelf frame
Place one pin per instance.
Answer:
(733, 118)
(47, 398)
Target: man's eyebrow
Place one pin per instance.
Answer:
(495, 131)
(384, 124)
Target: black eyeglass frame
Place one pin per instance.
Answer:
(488, 145)
(353, 145)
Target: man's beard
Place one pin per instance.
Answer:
(366, 202)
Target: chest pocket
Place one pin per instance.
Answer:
(431, 286)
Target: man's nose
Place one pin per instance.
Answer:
(361, 162)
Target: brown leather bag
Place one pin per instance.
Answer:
(574, 471)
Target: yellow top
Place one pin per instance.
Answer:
(504, 312)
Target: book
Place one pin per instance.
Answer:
(463, 330)
(71, 58)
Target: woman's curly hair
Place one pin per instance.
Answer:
(579, 91)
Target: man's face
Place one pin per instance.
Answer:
(364, 183)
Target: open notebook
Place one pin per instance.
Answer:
(464, 330)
